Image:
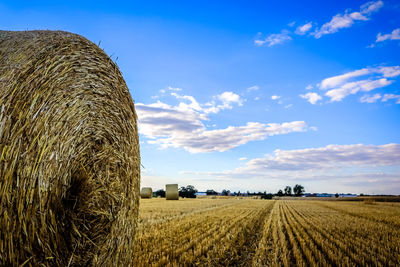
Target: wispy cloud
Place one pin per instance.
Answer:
(303, 29)
(346, 20)
(387, 97)
(273, 39)
(253, 88)
(275, 97)
(394, 35)
(363, 80)
(331, 156)
(182, 126)
(313, 98)
(370, 99)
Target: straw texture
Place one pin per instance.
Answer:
(146, 192)
(69, 153)
(171, 192)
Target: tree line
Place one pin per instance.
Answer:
(190, 192)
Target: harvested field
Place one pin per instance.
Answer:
(251, 232)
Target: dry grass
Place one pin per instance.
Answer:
(250, 232)
(70, 164)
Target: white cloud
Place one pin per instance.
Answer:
(351, 167)
(253, 88)
(193, 103)
(243, 158)
(309, 87)
(331, 156)
(371, 7)
(291, 24)
(288, 106)
(309, 161)
(340, 79)
(303, 29)
(346, 20)
(181, 126)
(370, 99)
(273, 39)
(395, 35)
(226, 100)
(256, 98)
(313, 98)
(351, 83)
(352, 88)
(387, 97)
(174, 88)
(275, 97)
(229, 97)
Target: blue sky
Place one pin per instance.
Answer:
(251, 95)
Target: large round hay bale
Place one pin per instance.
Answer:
(146, 192)
(69, 153)
(171, 192)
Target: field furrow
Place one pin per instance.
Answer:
(250, 232)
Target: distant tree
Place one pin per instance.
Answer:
(266, 195)
(159, 193)
(188, 191)
(298, 190)
(211, 192)
(280, 193)
(226, 192)
(288, 191)
(336, 195)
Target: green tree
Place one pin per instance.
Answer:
(288, 191)
(280, 193)
(298, 190)
(159, 193)
(188, 191)
(226, 192)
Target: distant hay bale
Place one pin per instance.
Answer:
(146, 192)
(69, 153)
(171, 192)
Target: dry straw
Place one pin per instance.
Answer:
(171, 192)
(69, 153)
(146, 192)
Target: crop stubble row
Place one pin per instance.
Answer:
(247, 232)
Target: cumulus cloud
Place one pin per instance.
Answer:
(362, 80)
(370, 99)
(275, 97)
(394, 35)
(313, 98)
(182, 126)
(346, 20)
(303, 29)
(273, 39)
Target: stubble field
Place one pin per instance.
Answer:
(253, 232)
